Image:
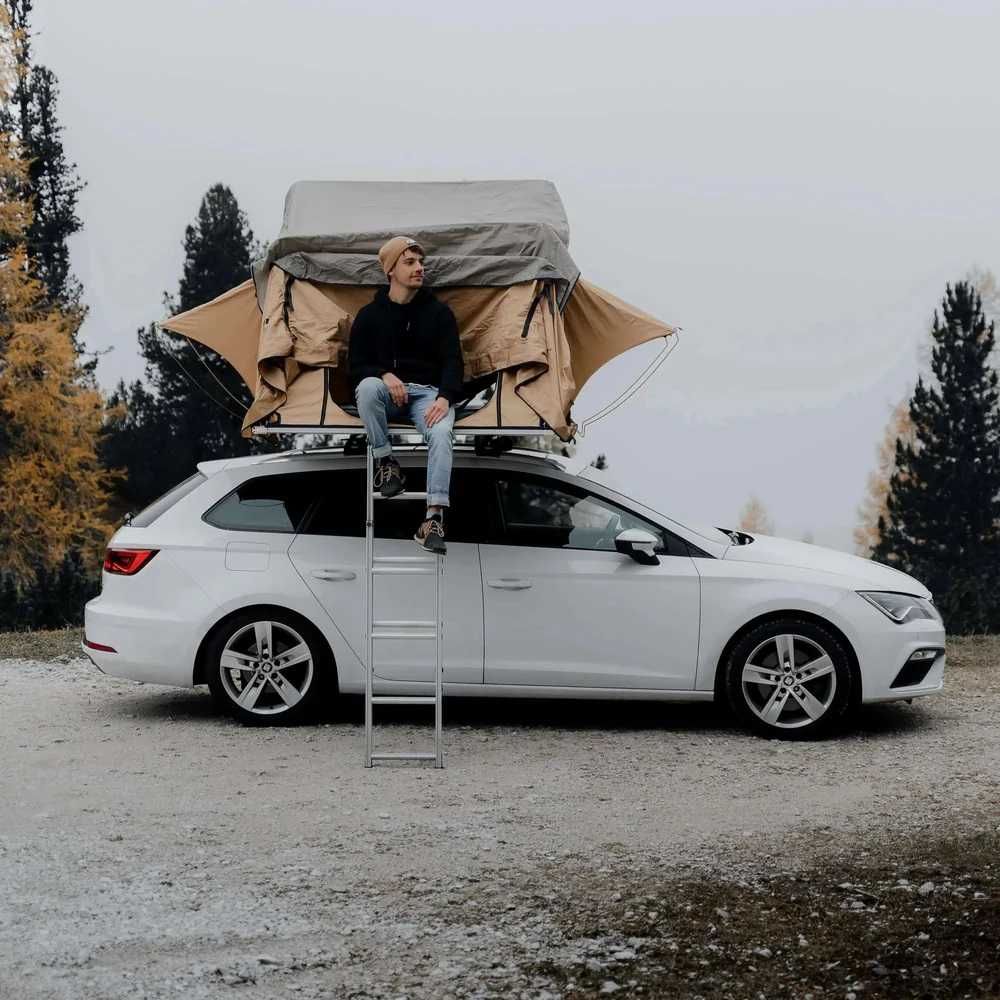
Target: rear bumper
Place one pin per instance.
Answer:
(150, 646)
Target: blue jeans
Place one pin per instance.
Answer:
(376, 409)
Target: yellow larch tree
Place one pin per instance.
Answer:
(875, 502)
(754, 517)
(52, 488)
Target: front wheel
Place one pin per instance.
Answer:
(789, 679)
(267, 668)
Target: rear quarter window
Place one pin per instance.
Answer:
(266, 503)
(162, 504)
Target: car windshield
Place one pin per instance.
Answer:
(604, 477)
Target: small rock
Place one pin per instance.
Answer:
(268, 960)
(763, 952)
(926, 888)
(609, 986)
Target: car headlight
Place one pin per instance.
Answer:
(901, 607)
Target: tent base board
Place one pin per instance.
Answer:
(403, 429)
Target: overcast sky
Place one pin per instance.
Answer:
(793, 186)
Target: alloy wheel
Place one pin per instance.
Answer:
(266, 668)
(789, 681)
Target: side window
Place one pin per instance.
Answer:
(340, 504)
(340, 507)
(546, 514)
(266, 503)
(162, 504)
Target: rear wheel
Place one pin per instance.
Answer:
(789, 679)
(268, 668)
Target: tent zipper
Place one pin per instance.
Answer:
(531, 311)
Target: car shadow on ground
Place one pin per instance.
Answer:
(541, 714)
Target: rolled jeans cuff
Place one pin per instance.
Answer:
(382, 450)
(437, 500)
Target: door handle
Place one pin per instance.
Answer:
(506, 583)
(334, 574)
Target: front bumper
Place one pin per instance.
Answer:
(884, 649)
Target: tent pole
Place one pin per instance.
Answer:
(650, 370)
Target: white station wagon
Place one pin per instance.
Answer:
(555, 586)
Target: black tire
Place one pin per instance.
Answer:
(264, 692)
(786, 704)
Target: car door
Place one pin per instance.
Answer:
(328, 553)
(563, 607)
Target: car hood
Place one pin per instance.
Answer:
(864, 572)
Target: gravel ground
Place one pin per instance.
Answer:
(149, 848)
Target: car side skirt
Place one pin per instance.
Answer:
(535, 691)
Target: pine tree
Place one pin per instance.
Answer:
(192, 404)
(52, 184)
(943, 509)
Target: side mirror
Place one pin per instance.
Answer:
(639, 544)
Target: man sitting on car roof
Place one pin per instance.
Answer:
(405, 360)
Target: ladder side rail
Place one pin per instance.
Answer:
(439, 672)
(369, 600)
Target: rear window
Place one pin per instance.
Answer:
(161, 505)
(267, 503)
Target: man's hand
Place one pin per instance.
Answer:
(397, 389)
(437, 410)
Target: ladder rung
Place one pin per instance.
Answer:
(404, 755)
(388, 633)
(403, 699)
(405, 495)
(403, 570)
(408, 560)
(402, 624)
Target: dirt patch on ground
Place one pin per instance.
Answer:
(924, 924)
(150, 848)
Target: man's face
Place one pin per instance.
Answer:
(409, 269)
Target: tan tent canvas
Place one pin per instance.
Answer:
(532, 331)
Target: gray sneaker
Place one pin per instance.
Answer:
(430, 535)
(389, 479)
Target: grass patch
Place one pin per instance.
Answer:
(973, 652)
(42, 644)
(924, 922)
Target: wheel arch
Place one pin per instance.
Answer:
(199, 673)
(808, 616)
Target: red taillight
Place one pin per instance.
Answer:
(127, 561)
(97, 645)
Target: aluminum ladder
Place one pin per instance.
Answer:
(387, 629)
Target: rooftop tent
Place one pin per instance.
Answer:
(532, 330)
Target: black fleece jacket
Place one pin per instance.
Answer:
(417, 342)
